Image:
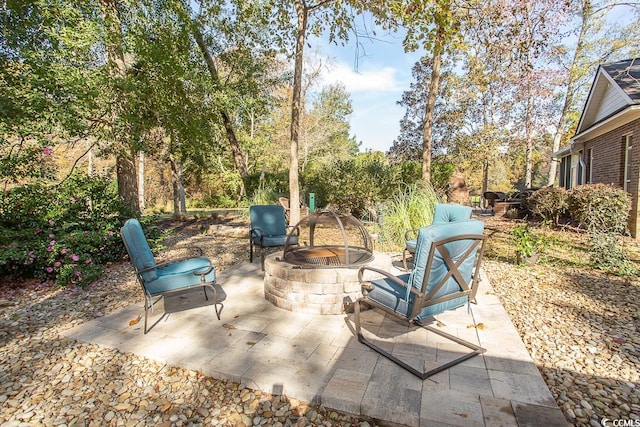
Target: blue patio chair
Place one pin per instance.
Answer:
(161, 279)
(445, 273)
(268, 229)
(443, 213)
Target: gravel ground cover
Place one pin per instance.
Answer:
(580, 326)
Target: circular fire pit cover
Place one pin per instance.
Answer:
(328, 239)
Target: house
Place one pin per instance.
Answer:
(602, 150)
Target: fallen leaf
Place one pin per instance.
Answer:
(478, 326)
(166, 407)
(134, 321)
(228, 326)
(440, 324)
(463, 415)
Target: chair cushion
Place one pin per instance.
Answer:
(391, 295)
(451, 213)
(138, 248)
(428, 235)
(179, 274)
(410, 245)
(269, 219)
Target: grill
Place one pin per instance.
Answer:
(328, 239)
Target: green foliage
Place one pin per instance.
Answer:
(526, 242)
(48, 81)
(355, 185)
(263, 195)
(603, 210)
(64, 233)
(549, 202)
(607, 255)
(408, 209)
(441, 173)
(278, 182)
(600, 207)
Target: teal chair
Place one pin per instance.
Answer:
(161, 279)
(445, 275)
(443, 213)
(268, 229)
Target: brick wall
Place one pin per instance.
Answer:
(608, 163)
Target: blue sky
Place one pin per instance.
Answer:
(376, 83)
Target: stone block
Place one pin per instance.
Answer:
(497, 412)
(331, 288)
(307, 288)
(321, 275)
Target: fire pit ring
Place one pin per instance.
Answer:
(328, 239)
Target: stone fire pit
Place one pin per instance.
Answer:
(315, 290)
(317, 272)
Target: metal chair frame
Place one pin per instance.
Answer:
(149, 301)
(422, 300)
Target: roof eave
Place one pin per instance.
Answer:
(626, 115)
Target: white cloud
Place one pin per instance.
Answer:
(382, 80)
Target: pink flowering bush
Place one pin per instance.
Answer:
(65, 235)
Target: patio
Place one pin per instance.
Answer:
(318, 359)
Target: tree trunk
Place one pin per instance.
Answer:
(175, 186)
(125, 167)
(485, 178)
(90, 160)
(127, 183)
(529, 140)
(296, 102)
(236, 150)
(431, 102)
(528, 125)
(181, 194)
(141, 180)
(571, 85)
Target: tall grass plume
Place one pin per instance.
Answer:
(411, 208)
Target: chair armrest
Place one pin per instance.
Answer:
(386, 274)
(164, 264)
(412, 233)
(203, 272)
(256, 232)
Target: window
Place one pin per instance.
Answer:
(627, 162)
(565, 172)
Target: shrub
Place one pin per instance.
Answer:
(64, 233)
(550, 203)
(354, 185)
(607, 255)
(600, 207)
(603, 210)
(527, 243)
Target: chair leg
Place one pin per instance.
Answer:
(405, 254)
(215, 296)
(146, 310)
(250, 250)
(476, 349)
